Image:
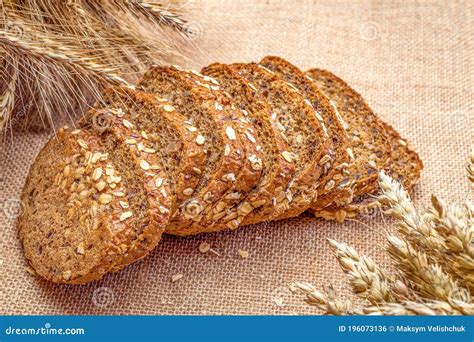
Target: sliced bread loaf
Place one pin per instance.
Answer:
(304, 134)
(338, 155)
(224, 146)
(83, 206)
(277, 171)
(369, 141)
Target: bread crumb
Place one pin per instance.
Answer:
(213, 251)
(204, 247)
(278, 302)
(1, 262)
(176, 277)
(243, 254)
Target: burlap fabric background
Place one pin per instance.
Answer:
(413, 61)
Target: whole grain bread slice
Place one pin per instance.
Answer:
(257, 205)
(224, 146)
(143, 162)
(405, 167)
(83, 207)
(221, 215)
(369, 140)
(166, 132)
(338, 156)
(304, 134)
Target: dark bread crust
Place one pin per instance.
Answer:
(257, 206)
(79, 215)
(217, 125)
(368, 138)
(305, 135)
(338, 157)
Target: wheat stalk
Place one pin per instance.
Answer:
(67, 51)
(9, 75)
(434, 255)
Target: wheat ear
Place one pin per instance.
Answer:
(409, 222)
(326, 300)
(161, 15)
(470, 166)
(7, 98)
(454, 225)
(430, 308)
(368, 280)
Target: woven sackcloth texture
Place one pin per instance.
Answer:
(413, 62)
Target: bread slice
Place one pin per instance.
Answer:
(338, 156)
(221, 215)
(368, 138)
(83, 207)
(277, 171)
(406, 167)
(165, 131)
(141, 159)
(225, 147)
(304, 133)
(402, 162)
